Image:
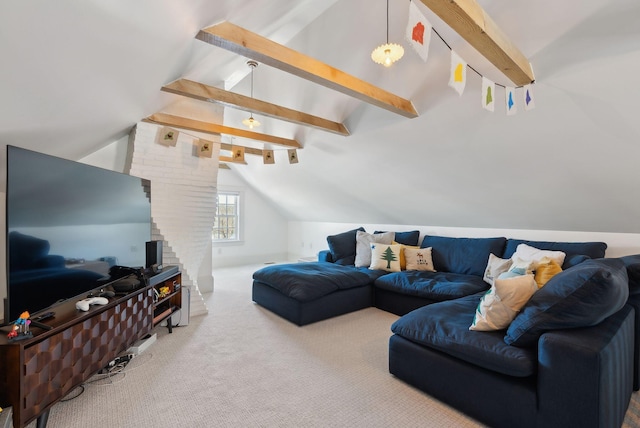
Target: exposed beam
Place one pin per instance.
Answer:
(469, 20)
(202, 92)
(247, 150)
(212, 128)
(223, 166)
(243, 42)
(230, 159)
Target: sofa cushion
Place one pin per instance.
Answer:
(418, 258)
(495, 266)
(385, 257)
(309, 281)
(445, 326)
(343, 246)
(432, 285)
(363, 245)
(593, 250)
(580, 296)
(536, 256)
(462, 255)
(545, 271)
(406, 238)
(500, 305)
(632, 263)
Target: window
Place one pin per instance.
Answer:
(226, 226)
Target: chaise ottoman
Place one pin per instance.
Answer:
(304, 293)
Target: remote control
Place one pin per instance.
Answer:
(43, 316)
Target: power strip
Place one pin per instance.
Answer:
(141, 345)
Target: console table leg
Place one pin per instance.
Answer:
(169, 326)
(42, 419)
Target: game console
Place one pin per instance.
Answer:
(84, 304)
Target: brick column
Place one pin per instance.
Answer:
(183, 199)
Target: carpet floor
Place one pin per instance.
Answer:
(243, 366)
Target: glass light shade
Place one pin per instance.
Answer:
(251, 122)
(387, 54)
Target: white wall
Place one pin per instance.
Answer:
(307, 238)
(264, 233)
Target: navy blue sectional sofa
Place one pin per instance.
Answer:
(569, 358)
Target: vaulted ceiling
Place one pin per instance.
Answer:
(77, 75)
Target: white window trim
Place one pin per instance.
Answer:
(241, 209)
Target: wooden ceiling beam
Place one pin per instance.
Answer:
(473, 24)
(247, 150)
(243, 42)
(215, 129)
(230, 159)
(202, 92)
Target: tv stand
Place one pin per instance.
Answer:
(38, 324)
(38, 372)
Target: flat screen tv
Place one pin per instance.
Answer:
(67, 224)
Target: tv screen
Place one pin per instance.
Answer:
(67, 224)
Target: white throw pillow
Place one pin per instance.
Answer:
(385, 257)
(495, 266)
(363, 245)
(500, 305)
(535, 255)
(418, 259)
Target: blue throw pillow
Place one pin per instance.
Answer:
(406, 238)
(581, 296)
(467, 256)
(632, 263)
(594, 250)
(343, 246)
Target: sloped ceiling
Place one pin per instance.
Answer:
(77, 75)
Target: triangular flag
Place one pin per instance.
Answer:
(418, 32)
(488, 94)
(238, 153)
(267, 156)
(293, 155)
(510, 100)
(458, 76)
(529, 102)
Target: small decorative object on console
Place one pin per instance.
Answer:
(84, 304)
(20, 329)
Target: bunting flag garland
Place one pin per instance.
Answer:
(205, 149)
(510, 100)
(418, 31)
(238, 153)
(167, 136)
(488, 94)
(267, 157)
(458, 76)
(293, 155)
(529, 102)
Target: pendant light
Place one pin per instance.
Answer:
(250, 121)
(388, 53)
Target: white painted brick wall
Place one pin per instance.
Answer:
(183, 198)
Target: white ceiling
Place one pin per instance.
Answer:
(76, 75)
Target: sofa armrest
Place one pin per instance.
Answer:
(51, 261)
(585, 375)
(325, 256)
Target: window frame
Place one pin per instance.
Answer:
(238, 218)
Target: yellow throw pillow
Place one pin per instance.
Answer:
(545, 271)
(403, 259)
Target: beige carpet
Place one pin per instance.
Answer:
(242, 366)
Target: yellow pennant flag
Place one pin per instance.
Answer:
(458, 75)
